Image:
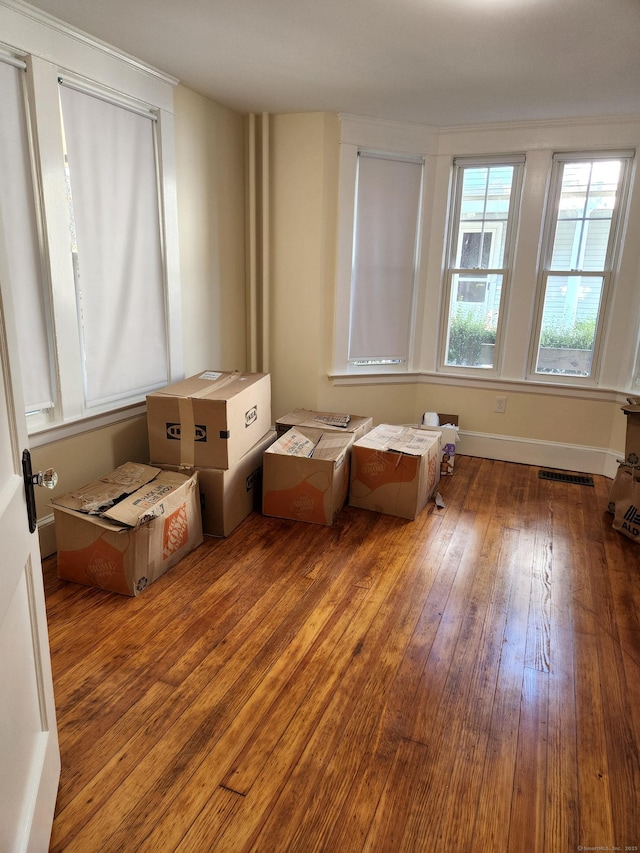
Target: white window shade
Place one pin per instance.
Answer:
(120, 282)
(23, 245)
(387, 220)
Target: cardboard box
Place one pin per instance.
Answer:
(309, 488)
(359, 425)
(124, 531)
(395, 470)
(632, 443)
(229, 495)
(210, 420)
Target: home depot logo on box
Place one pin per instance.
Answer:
(175, 532)
(377, 467)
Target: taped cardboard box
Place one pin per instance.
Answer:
(305, 477)
(229, 495)
(210, 420)
(322, 422)
(125, 530)
(395, 470)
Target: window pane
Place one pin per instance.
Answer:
(478, 262)
(585, 211)
(23, 247)
(567, 339)
(118, 264)
(384, 258)
(475, 302)
(484, 210)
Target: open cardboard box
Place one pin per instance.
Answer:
(125, 530)
(305, 475)
(323, 422)
(395, 469)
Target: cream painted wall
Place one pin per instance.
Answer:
(304, 181)
(210, 165)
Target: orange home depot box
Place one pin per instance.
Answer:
(210, 420)
(325, 422)
(395, 470)
(124, 531)
(229, 495)
(305, 477)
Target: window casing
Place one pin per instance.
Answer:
(582, 240)
(55, 330)
(383, 262)
(480, 249)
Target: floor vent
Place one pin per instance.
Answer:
(560, 477)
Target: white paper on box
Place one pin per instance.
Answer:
(399, 439)
(293, 443)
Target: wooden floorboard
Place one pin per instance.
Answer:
(466, 681)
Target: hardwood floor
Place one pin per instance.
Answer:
(469, 681)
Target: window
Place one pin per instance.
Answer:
(480, 249)
(22, 239)
(116, 248)
(580, 246)
(87, 185)
(384, 259)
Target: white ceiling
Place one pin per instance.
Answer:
(436, 62)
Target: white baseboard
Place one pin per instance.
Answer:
(47, 536)
(527, 451)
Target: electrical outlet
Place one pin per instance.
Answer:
(501, 405)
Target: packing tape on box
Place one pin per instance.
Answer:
(187, 432)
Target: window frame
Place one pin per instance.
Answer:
(50, 51)
(357, 365)
(454, 227)
(403, 142)
(608, 274)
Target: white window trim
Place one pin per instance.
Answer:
(612, 262)
(382, 137)
(518, 162)
(50, 50)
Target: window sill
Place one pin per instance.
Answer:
(486, 383)
(48, 434)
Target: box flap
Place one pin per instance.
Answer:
(147, 502)
(101, 494)
(338, 421)
(332, 446)
(400, 439)
(293, 443)
(211, 384)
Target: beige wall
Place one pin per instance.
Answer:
(304, 181)
(210, 165)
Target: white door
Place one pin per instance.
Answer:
(29, 754)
